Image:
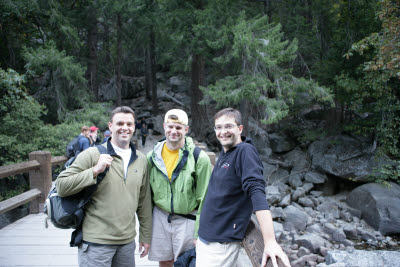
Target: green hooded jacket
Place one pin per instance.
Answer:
(188, 187)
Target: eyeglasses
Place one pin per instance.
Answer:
(226, 127)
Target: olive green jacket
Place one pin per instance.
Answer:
(188, 187)
(111, 217)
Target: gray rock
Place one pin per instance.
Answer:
(329, 228)
(379, 206)
(280, 175)
(298, 193)
(286, 200)
(338, 235)
(280, 143)
(365, 235)
(306, 202)
(278, 229)
(276, 212)
(314, 228)
(269, 169)
(348, 243)
(361, 258)
(346, 216)
(315, 177)
(329, 208)
(294, 218)
(311, 241)
(323, 251)
(310, 211)
(295, 180)
(344, 156)
(350, 231)
(298, 159)
(303, 251)
(273, 194)
(308, 186)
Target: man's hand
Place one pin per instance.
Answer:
(104, 162)
(194, 242)
(273, 250)
(145, 247)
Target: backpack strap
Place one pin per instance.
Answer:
(102, 150)
(77, 234)
(196, 153)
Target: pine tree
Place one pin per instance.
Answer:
(256, 58)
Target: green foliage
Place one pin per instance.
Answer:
(257, 57)
(58, 82)
(12, 190)
(373, 91)
(22, 129)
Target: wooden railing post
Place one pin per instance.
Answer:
(40, 179)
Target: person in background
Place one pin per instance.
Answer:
(93, 136)
(138, 126)
(84, 142)
(107, 134)
(179, 184)
(236, 190)
(143, 132)
(109, 225)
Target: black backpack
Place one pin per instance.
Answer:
(73, 147)
(68, 212)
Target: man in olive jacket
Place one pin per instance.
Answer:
(109, 222)
(178, 183)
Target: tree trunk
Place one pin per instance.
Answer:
(153, 72)
(118, 69)
(244, 109)
(91, 73)
(147, 75)
(199, 114)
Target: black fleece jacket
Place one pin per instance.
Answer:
(235, 191)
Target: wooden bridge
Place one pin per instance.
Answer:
(27, 242)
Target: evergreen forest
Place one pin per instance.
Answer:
(268, 58)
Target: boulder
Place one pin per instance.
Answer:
(344, 156)
(298, 159)
(315, 177)
(294, 218)
(280, 143)
(362, 258)
(131, 87)
(273, 194)
(311, 241)
(379, 206)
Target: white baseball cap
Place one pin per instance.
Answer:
(181, 116)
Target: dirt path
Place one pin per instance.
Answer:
(150, 142)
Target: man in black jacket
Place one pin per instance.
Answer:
(236, 190)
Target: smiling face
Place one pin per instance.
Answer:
(175, 133)
(122, 128)
(228, 132)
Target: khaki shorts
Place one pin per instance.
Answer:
(215, 254)
(106, 255)
(169, 240)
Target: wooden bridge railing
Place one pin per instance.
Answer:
(40, 179)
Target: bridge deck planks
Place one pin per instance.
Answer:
(28, 243)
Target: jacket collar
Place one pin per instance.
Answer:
(110, 150)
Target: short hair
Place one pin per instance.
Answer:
(122, 109)
(84, 128)
(231, 113)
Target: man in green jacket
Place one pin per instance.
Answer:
(179, 183)
(109, 222)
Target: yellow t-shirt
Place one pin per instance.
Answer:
(170, 158)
